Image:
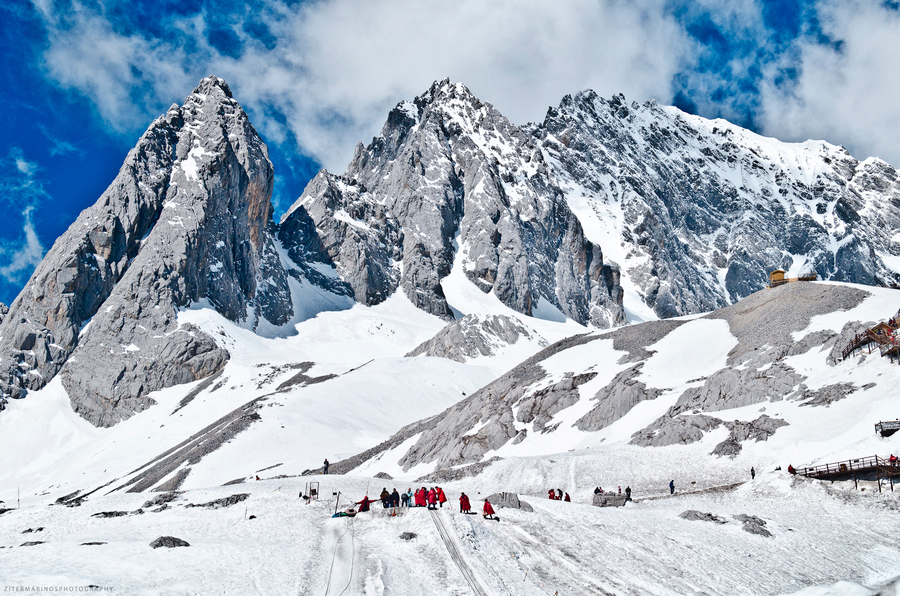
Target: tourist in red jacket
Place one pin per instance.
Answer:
(488, 510)
(364, 504)
(442, 498)
(464, 505)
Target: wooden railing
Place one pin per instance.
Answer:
(885, 341)
(889, 427)
(861, 464)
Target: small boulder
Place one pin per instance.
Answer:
(168, 542)
(510, 501)
(694, 515)
(754, 525)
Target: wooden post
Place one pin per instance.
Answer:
(855, 482)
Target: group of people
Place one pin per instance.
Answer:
(557, 495)
(423, 497)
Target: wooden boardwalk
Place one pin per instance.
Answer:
(872, 467)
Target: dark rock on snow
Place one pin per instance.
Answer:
(223, 502)
(694, 515)
(508, 500)
(168, 542)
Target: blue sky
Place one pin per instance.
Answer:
(81, 80)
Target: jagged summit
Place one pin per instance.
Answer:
(697, 212)
(452, 183)
(210, 84)
(187, 219)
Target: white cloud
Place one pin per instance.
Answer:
(339, 65)
(24, 256)
(21, 189)
(847, 96)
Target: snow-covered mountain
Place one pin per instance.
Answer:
(441, 313)
(450, 179)
(697, 212)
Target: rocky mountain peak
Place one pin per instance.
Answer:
(212, 85)
(187, 219)
(451, 182)
(697, 212)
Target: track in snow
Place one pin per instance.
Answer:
(341, 572)
(456, 556)
(682, 493)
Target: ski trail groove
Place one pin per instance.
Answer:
(456, 556)
(344, 560)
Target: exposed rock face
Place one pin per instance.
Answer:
(475, 335)
(187, 219)
(529, 398)
(759, 430)
(616, 399)
(3, 310)
(451, 178)
(695, 201)
(699, 200)
(675, 430)
(448, 440)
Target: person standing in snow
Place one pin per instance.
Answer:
(442, 498)
(432, 499)
(671, 487)
(567, 497)
(752, 473)
(464, 505)
(326, 466)
(488, 510)
(627, 493)
(386, 499)
(364, 504)
(597, 491)
(559, 494)
(395, 498)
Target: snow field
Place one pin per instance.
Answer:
(821, 535)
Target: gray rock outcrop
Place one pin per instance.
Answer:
(753, 525)
(609, 500)
(509, 501)
(616, 399)
(187, 220)
(694, 515)
(758, 430)
(675, 430)
(168, 542)
(475, 335)
(450, 178)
